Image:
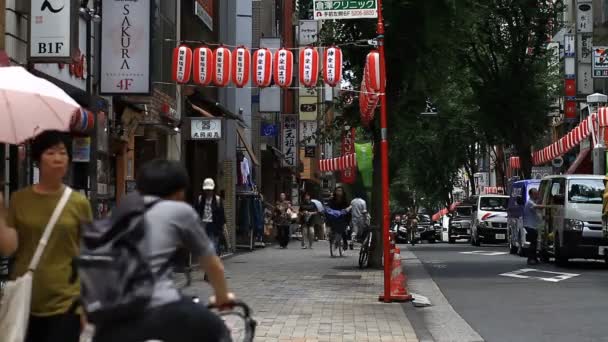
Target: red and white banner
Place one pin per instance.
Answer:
(349, 175)
(283, 68)
(338, 164)
(203, 66)
(182, 64)
(309, 66)
(332, 62)
(262, 59)
(241, 66)
(223, 58)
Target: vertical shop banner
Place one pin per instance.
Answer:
(600, 61)
(365, 164)
(53, 33)
(289, 140)
(349, 175)
(125, 48)
(584, 16)
(203, 9)
(308, 131)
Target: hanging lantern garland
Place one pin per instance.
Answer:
(309, 67)
(241, 65)
(263, 67)
(182, 64)
(203, 66)
(223, 58)
(332, 60)
(283, 68)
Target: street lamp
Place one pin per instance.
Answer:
(595, 101)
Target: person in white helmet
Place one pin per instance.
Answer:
(211, 210)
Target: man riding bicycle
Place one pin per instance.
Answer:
(170, 224)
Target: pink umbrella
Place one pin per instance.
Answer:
(30, 105)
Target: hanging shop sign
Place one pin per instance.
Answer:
(289, 140)
(125, 47)
(81, 149)
(203, 9)
(74, 73)
(308, 131)
(332, 61)
(283, 68)
(570, 87)
(241, 65)
(263, 67)
(310, 151)
(206, 129)
(309, 66)
(308, 108)
(308, 32)
(348, 147)
(182, 64)
(570, 109)
(203, 66)
(330, 9)
(585, 79)
(223, 58)
(600, 61)
(584, 16)
(569, 45)
(584, 48)
(53, 31)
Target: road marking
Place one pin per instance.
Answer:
(486, 253)
(556, 276)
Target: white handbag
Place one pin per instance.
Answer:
(16, 300)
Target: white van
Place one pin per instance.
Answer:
(490, 220)
(572, 218)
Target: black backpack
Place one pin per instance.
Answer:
(116, 278)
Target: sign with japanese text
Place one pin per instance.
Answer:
(206, 129)
(53, 33)
(348, 147)
(308, 131)
(308, 32)
(600, 61)
(125, 47)
(308, 108)
(310, 151)
(585, 80)
(289, 140)
(584, 16)
(345, 9)
(584, 48)
(569, 45)
(203, 9)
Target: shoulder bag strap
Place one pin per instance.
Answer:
(49, 228)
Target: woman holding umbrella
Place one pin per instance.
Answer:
(21, 229)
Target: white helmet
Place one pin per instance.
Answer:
(209, 184)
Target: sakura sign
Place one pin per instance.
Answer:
(341, 9)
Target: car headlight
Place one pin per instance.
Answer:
(573, 224)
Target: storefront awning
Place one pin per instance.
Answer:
(579, 162)
(241, 135)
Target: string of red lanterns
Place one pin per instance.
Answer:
(372, 85)
(221, 66)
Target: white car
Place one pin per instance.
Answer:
(490, 220)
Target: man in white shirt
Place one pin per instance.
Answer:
(359, 218)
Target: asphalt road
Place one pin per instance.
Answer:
(571, 305)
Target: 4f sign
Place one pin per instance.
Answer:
(53, 31)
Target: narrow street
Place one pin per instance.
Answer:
(495, 295)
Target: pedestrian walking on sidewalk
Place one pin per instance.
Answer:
(308, 214)
(282, 218)
(360, 218)
(211, 211)
(339, 202)
(531, 222)
(21, 230)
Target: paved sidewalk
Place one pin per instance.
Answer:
(305, 295)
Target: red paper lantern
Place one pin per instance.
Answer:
(375, 77)
(309, 66)
(182, 64)
(241, 65)
(283, 68)
(223, 58)
(262, 59)
(203, 65)
(332, 61)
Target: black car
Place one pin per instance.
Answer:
(460, 223)
(426, 229)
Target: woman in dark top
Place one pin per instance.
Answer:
(339, 202)
(308, 213)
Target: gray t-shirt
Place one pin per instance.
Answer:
(359, 210)
(531, 217)
(171, 225)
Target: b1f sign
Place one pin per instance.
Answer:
(53, 31)
(125, 47)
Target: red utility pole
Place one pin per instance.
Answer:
(384, 160)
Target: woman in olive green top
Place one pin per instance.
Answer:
(21, 228)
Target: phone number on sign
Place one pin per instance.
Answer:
(363, 12)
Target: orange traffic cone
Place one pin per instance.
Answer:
(398, 280)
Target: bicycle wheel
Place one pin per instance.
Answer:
(364, 252)
(238, 326)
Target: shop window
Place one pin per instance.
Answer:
(163, 41)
